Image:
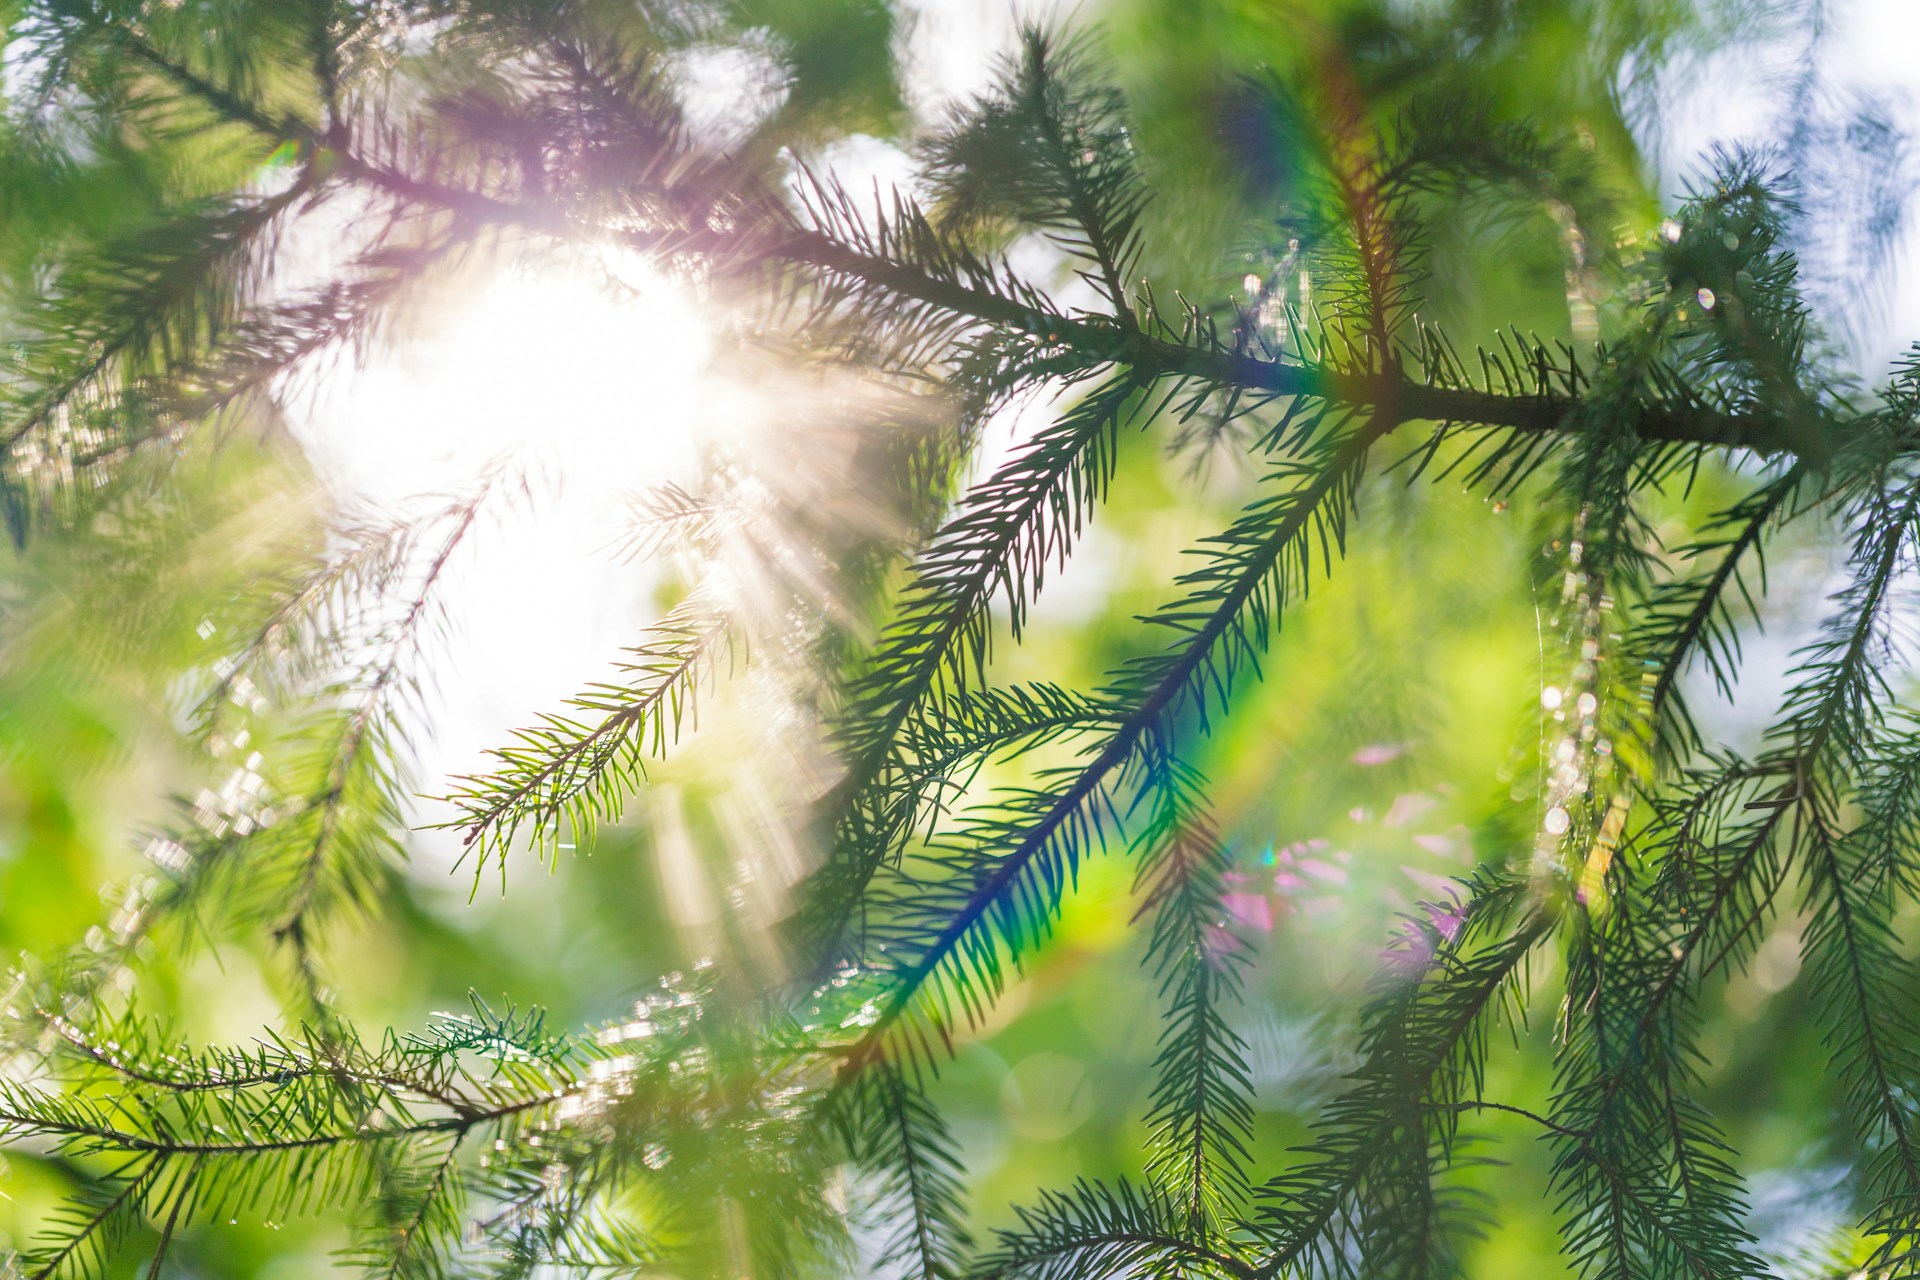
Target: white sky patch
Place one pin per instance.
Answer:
(1735, 96)
(726, 90)
(948, 49)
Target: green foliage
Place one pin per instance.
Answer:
(780, 1111)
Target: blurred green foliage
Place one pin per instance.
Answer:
(1371, 765)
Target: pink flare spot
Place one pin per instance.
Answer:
(1250, 909)
(1408, 807)
(1440, 846)
(1447, 918)
(1431, 883)
(1380, 753)
(1323, 870)
(1408, 953)
(1221, 942)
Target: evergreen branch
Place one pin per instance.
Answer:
(225, 103)
(559, 129)
(1152, 356)
(1859, 973)
(1202, 1116)
(1009, 530)
(1097, 1229)
(934, 760)
(941, 748)
(70, 1125)
(1638, 1173)
(170, 287)
(897, 1134)
(1257, 564)
(276, 1065)
(577, 772)
(1619, 1081)
(166, 1231)
(93, 1237)
(1423, 1040)
(1210, 363)
(361, 732)
(1047, 147)
(1484, 1104)
(1824, 722)
(1695, 616)
(410, 1253)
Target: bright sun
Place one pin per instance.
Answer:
(589, 375)
(574, 370)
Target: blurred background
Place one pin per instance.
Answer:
(1372, 765)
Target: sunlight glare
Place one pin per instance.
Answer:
(551, 368)
(588, 376)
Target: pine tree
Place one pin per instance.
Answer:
(748, 1117)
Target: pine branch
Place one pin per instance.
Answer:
(1047, 147)
(1202, 1116)
(781, 239)
(167, 289)
(569, 775)
(896, 1134)
(570, 134)
(1024, 855)
(1008, 532)
(1696, 615)
(1613, 1089)
(1100, 1229)
(1860, 979)
(365, 740)
(93, 1228)
(1423, 1041)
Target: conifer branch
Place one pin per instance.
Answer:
(898, 1135)
(1422, 1046)
(568, 775)
(91, 1237)
(1695, 615)
(363, 730)
(1118, 1229)
(1009, 530)
(555, 127)
(1257, 565)
(1202, 1116)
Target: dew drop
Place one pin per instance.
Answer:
(1557, 821)
(1551, 697)
(1671, 230)
(1706, 298)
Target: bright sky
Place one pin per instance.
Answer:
(598, 395)
(1869, 46)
